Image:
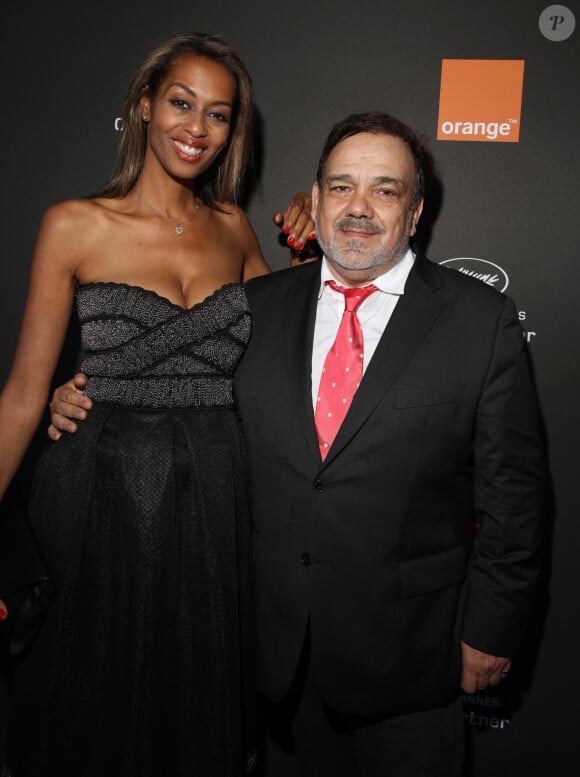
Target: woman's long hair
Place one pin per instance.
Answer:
(225, 177)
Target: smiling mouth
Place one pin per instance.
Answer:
(187, 150)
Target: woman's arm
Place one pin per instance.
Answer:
(45, 320)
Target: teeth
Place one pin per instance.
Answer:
(189, 150)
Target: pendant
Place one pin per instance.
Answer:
(178, 229)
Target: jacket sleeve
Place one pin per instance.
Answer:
(509, 489)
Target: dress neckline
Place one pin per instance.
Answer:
(153, 293)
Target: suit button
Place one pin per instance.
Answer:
(305, 559)
(319, 486)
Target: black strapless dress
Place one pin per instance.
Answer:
(144, 664)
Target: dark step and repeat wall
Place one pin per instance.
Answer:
(493, 86)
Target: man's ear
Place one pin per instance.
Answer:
(415, 217)
(315, 196)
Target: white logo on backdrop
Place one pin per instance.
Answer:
(485, 271)
(490, 273)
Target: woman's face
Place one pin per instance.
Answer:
(189, 119)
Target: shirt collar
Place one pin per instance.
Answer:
(391, 282)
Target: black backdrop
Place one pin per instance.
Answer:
(65, 68)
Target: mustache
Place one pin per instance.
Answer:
(359, 225)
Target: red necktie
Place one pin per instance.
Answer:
(343, 369)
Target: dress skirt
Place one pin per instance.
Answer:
(144, 664)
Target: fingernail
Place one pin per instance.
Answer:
(3, 614)
(291, 241)
(298, 246)
(311, 236)
(286, 230)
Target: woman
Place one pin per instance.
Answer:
(143, 664)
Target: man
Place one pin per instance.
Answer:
(377, 598)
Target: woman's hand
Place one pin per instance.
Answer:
(297, 224)
(68, 401)
(3, 610)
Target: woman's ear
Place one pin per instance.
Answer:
(145, 106)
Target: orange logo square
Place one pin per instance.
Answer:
(481, 99)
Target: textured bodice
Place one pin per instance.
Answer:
(142, 350)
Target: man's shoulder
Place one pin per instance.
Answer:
(279, 281)
(454, 282)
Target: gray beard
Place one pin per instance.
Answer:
(382, 257)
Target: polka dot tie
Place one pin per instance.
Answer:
(343, 368)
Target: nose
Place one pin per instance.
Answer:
(196, 125)
(360, 206)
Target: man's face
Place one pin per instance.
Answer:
(363, 209)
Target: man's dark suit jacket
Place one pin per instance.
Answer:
(378, 545)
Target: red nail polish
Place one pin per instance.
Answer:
(3, 614)
(311, 236)
(291, 241)
(286, 230)
(298, 246)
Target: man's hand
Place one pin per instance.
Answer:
(68, 401)
(297, 224)
(481, 669)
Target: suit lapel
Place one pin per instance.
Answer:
(416, 312)
(300, 316)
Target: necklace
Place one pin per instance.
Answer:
(178, 224)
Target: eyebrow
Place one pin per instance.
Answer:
(193, 94)
(379, 179)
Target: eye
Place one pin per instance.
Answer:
(340, 188)
(218, 116)
(180, 103)
(387, 193)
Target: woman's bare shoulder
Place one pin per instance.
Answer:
(240, 230)
(233, 221)
(71, 232)
(73, 214)
(229, 213)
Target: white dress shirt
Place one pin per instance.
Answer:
(374, 313)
